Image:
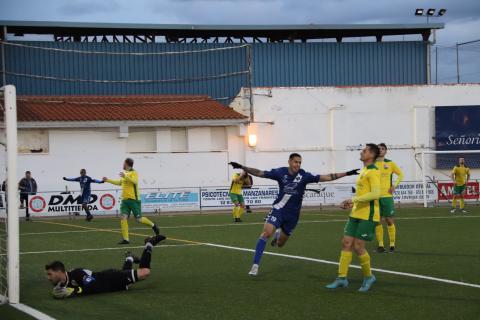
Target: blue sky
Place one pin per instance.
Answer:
(462, 19)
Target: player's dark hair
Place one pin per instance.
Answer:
(129, 162)
(374, 149)
(83, 170)
(293, 155)
(55, 266)
(28, 172)
(383, 145)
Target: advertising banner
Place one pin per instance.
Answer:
(185, 199)
(328, 194)
(263, 196)
(256, 196)
(59, 204)
(413, 192)
(445, 191)
(457, 128)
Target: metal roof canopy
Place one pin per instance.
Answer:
(74, 31)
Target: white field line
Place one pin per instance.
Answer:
(31, 312)
(240, 224)
(405, 274)
(102, 249)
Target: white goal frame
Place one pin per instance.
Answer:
(13, 254)
(424, 177)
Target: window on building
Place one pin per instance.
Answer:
(178, 140)
(142, 140)
(218, 139)
(32, 141)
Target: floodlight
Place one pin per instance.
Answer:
(441, 12)
(419, 12)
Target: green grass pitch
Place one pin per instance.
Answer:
(191, 280)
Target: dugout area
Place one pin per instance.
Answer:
(200, 272)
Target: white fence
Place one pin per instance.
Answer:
(45, 204)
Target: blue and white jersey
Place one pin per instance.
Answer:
(85, 182)
(291, 188)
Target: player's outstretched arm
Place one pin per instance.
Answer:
(252, 171)
(97, 181)
(335, 176)
(115, 182)
(72, 179)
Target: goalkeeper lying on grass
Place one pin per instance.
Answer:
(81, 281)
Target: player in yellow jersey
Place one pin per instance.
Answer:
(460, 176)
(360, 226)
(239, 180)
(387, 207)
(130, 199)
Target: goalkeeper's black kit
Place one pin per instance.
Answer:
(84, 281)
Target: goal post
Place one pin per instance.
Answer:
(12, 228)
(436, 167)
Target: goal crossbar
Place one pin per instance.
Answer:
(423, 164)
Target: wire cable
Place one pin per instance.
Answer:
(41, 77)
(123, 53)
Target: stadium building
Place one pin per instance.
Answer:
(183, 100)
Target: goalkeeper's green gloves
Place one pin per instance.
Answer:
(61, 292)
(236, 165)
(353, 172)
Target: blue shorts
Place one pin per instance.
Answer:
(280, 219)
(86, 198)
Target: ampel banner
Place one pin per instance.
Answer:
(445, 191)
(59, 204)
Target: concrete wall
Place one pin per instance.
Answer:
(326, 125)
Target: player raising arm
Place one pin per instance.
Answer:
(239, 180)
(361, 223)
(387, 207)
(79, 281)
(460, 176)
(131, 202)
(86, 191)
(283, 218)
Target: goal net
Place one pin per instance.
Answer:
(9, 227)
(436, 174)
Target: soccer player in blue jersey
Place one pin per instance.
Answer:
(86, 191)
(283, 218)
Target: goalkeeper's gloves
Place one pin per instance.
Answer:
(61, 292)
(353, 172)
(236, 165)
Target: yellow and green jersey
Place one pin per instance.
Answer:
(129, 185)
(461, 173)
(237, 183)
(365, 202)
(387, 169)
